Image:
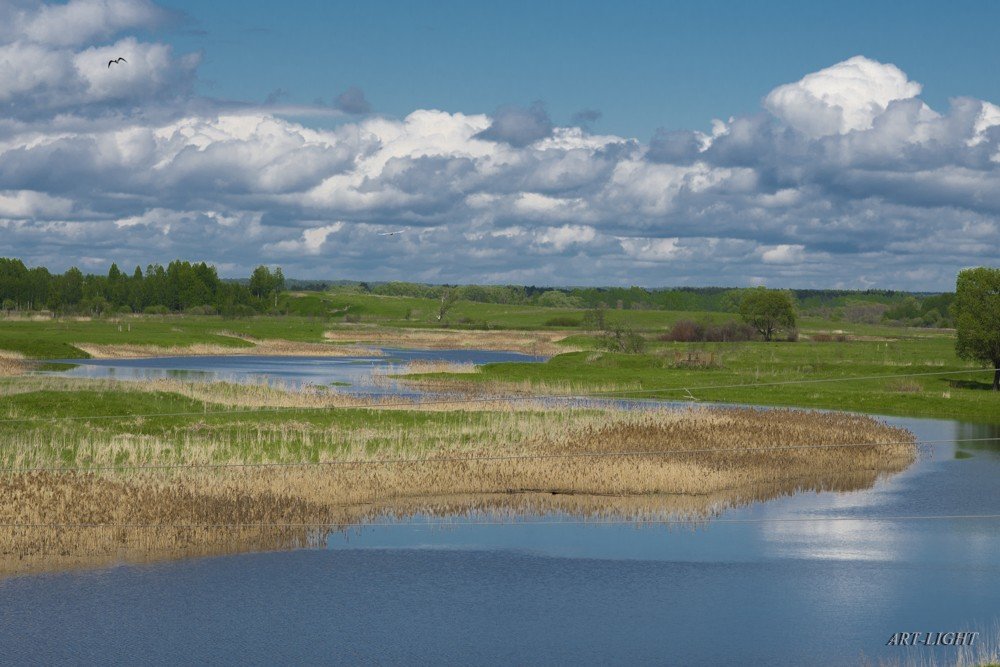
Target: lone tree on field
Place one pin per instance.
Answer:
(449, 297)
(767, 310)
(977, 317)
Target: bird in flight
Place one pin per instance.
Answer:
(391, 233)
(115, 61)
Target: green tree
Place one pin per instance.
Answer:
(260, 282)
(263, 283)
(558, 299)
(72, 286)
(449, 297)
(977, 318)
(117, 286)
(136, 293)
(13, 280)
(39, 281)
(767, 310)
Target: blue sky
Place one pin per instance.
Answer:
(643, 65)
(833, 145)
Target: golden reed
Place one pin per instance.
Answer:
(527, 342)
(641, 465)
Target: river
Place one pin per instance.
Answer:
(814, 578)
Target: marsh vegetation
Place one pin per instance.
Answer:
(96, 471)
(212, 468)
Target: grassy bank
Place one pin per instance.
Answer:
(909, 377)
(79, 490)
(905, 373)
(814, 368)
(70, 338)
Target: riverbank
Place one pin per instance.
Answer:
(536, 343)
(189, 470)
(868, 368)
(256, 347)
(914, 379)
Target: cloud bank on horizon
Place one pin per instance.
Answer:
(844, 178)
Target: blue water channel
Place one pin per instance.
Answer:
(811, 579)
(353, 374)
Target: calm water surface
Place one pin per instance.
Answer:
(352, 374)
(788, 587)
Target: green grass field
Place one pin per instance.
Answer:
(55, 339)
(805, 373)
(67, 422)
(396, 311)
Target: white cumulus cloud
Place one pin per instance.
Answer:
(845, 177)
(841, 98)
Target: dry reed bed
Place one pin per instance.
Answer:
(527, 342)
(270, 347)
(429, 366)
(223, 397)
(579, 462)
(12, 364)
(513, 387)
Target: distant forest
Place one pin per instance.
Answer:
(868, 306)
(182, 286)
(178, 287)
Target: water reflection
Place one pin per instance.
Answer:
(848, 539)
(988, 436)
(818, 577)
(841, 520)
(351, 374)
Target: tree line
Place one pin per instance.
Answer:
(861, 306)
(179, 286)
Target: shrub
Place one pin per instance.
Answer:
(596, 318)
(731, 331)
(238, 311)
(156, 310)
(557, 299)
(931, 318)
(685, 331)
(865, 313)
(823, 337)
(689, 331)
(908, 309)
(562, 321)
(622, 338)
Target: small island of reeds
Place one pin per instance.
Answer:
(96, 472)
